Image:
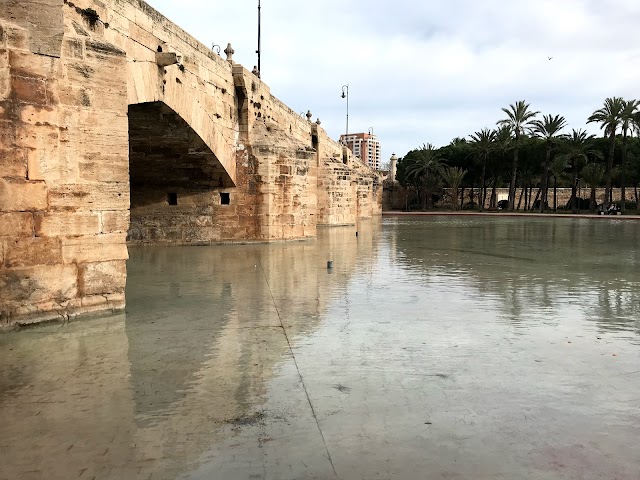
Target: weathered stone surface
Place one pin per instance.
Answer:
(27, 252)
(95, 248)
(67, 224)
(13, 161)
(102, 278)
(17, 195)
(29, 89)
(97, 167)
(115, 222)
(98, 196)
(45, 283)
(16, 225)
(46, 16)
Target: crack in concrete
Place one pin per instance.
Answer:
(295, 362)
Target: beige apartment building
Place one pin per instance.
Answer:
(365, 146)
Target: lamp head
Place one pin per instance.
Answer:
(343, 95)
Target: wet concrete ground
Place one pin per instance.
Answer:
(453, 348)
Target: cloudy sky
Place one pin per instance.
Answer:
(428, 71)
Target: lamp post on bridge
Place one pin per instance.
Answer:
(345, 94)
(259, 51)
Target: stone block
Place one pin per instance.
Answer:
(102, 278)
(73, 48)
(96, 167)
(96, 248)
(75, 95)
(101, 50)
(97, 74)
(112, 125)
(17, 195)
(54, 165)
(38, 116)
(114, 222)
(29, 90)
(27, 65)
(29, 252)
(16, 37)
(16, 224)
(67, 224)
(37, 136)
(37, 284)
(96, 196)
(5, 83)
(13, 161)
(43, 20)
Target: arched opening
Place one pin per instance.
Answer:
(177, 182)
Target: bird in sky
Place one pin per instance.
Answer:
(550, 58)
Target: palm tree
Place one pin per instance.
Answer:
(577, 150)
(547, 129)
(627, 119)
(519, 118)
(458, 141)
(527, 177)
(609, 118)
(504, 143)
(592, 174)
(483, 143)
(556, 169)
(453, 177)
(425, 165)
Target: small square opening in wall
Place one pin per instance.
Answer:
(225, 198)
(172, 198)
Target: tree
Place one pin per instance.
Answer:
(547, 129)
(518, 120)
(453, 177)
(499, 161)
(556, 169)
(593, 174)
(483, 144)
(577, 150)
(609, 118)
(425, 165)
(458, 141)
(627, 119)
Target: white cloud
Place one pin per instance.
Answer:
(429, 71)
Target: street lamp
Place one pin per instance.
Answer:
(345, 94)
(259, 35)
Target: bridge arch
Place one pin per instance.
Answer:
(182, 92)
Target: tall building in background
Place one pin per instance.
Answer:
(365, 146)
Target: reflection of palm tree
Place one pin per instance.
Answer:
(483, 143)
(593, 173)
(609, 119)
(547, 129)
(519, 118)
(425, 164)
(577, 150)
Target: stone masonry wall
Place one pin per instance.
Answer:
(395, 196)
(64, 194)
(302, 179)
(347, 188)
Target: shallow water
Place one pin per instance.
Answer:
(437, 347)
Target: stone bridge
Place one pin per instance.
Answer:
(118, 128)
